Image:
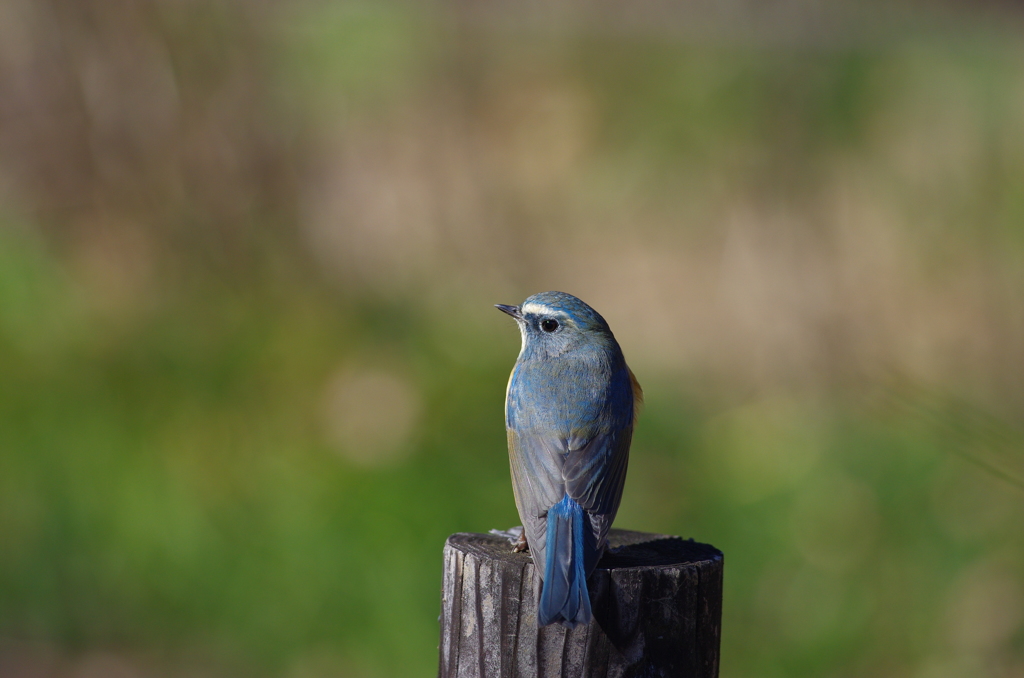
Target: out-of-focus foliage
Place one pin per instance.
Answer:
(250, 377)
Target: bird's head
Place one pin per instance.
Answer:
(555, 322)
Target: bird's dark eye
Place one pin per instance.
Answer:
(549, 325)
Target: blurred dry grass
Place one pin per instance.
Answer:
(251, 376)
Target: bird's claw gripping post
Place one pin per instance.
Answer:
(516, 536)
(520, 544)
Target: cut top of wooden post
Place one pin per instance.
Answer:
(657, 604)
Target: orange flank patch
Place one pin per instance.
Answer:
(638, 394)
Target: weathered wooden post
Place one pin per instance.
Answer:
(657, 604)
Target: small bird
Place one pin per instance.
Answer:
(570, 405)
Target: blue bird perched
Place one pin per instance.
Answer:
(569, 411)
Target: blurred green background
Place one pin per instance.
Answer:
(250, 376)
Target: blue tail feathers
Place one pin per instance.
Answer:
(570, 553)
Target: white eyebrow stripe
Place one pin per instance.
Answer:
(539, 309)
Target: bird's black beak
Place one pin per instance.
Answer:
(511, 310)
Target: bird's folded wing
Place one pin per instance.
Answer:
(537, 482)
(536, 471)
(595, 472)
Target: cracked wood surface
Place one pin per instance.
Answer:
(657, 604)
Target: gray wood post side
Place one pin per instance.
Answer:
(657, 604)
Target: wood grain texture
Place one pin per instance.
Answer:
(657, 604)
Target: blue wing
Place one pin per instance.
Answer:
(594, 476)
(537, 484)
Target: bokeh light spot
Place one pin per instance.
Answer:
(370, 415)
